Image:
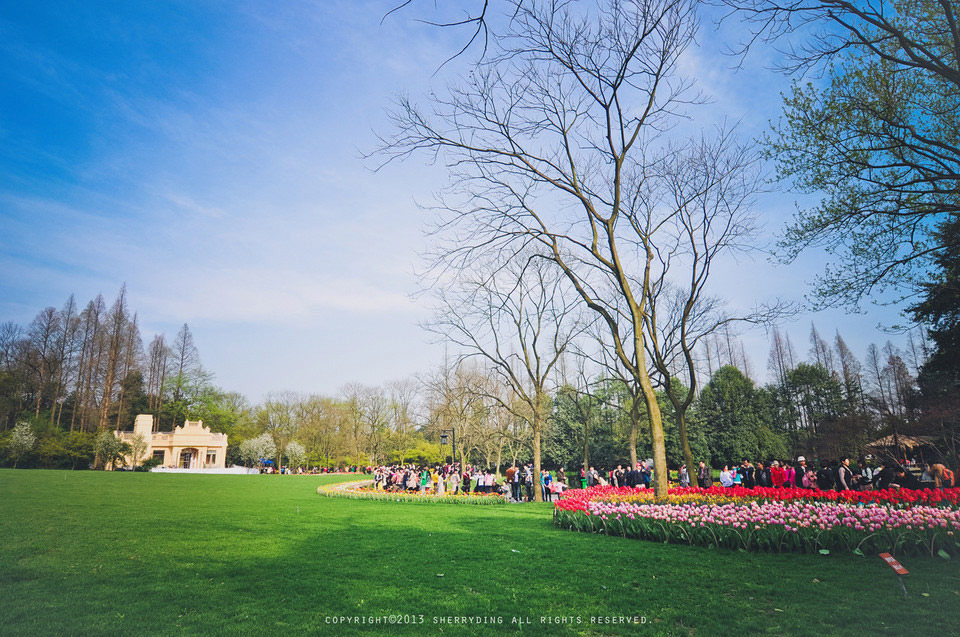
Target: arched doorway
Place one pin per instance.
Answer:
(188, 458)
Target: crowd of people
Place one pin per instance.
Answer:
(639, 476)
(517, 483)
(285, 470)
(839, 475)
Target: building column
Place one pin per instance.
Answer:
(176, 456)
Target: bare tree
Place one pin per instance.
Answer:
(91, 350)
(11, 339)
(820, 350)
(709, 195)
(116, 341)
(43, 334)
(403, 395)
(558, 141)
(355, 425)
(782, 358)
(131, 356)
(375, 414)
(185, 370)
(322, 427)
(278, 417)
(453, 402)
(519, 319)
(917, 348)
(65, 349)
(475, 19)
(850, 370)
(157, 368)
(185, 360)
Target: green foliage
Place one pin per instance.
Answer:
(54, 449)
(149, 464)
(135, 400)
(736, 419)
(80, 452)
(814, 403)
(422, 453)
(52, 453)
(11, 382)
(696, 433)
(881, 140)
(109, 450)
(190, 394)
(939, 309)
(597, 414)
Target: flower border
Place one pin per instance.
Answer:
(354, 491)
(772, 519)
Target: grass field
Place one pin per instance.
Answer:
(94, 553)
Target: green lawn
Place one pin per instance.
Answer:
(123, 553)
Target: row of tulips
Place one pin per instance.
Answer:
(579, 498)
(363, 490)
(755, 520)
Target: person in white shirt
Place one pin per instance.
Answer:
(726, 479)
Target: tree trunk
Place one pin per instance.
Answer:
(656, 433)
(56, 395)
(39, 390)
(586, 445)
(634, 424)
(79, 385)
(537, 490)
(685, 444)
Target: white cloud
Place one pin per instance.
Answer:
(266, 295)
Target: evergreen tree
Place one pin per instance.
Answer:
(737, 419)
(939, 377)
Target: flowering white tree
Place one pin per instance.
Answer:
(295, 453)
(21, 442)
(256, 449)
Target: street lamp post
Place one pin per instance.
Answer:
(453, 443)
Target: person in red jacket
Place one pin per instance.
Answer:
(777, 475)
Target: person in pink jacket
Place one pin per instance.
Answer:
(789, 476)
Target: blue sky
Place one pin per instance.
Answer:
(208, 155)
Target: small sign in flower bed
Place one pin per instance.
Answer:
(364, 490)
(861, 522)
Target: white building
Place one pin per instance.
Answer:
(191, 446)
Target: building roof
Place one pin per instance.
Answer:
(905, 442)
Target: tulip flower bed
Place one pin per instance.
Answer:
(900, 497)
(363, 490)
(773, 519)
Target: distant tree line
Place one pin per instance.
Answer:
(56, 380)
(75, 372)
